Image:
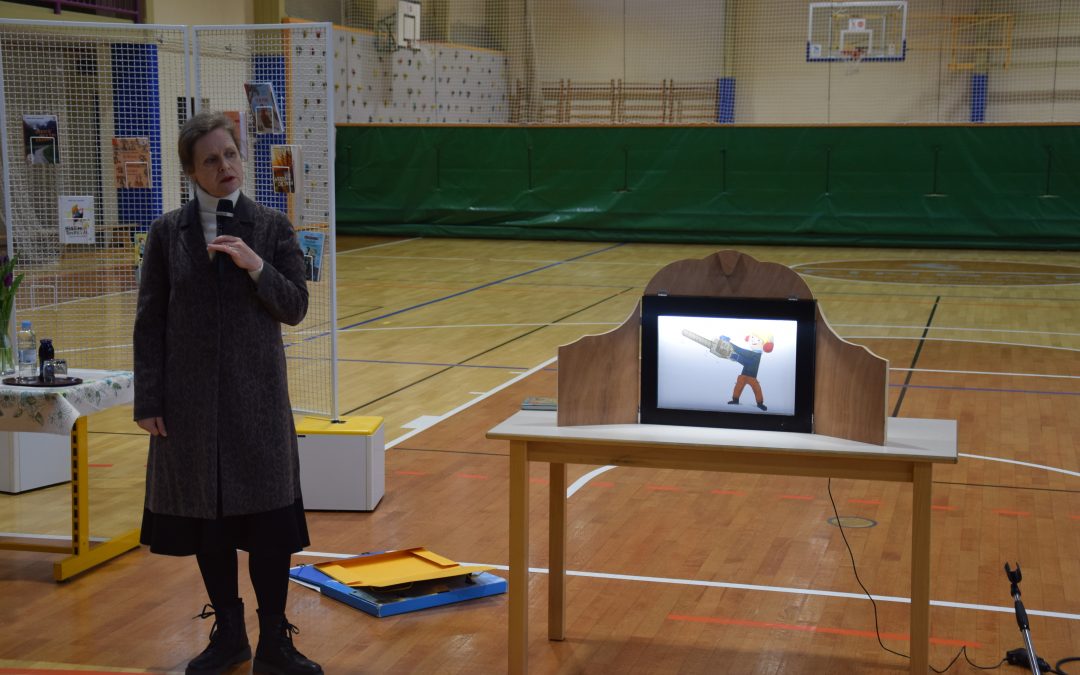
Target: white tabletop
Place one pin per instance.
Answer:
(54, 410)
(906, 438)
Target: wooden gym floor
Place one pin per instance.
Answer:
(674, 571)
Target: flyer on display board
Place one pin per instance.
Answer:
(41, 139)
(287, 176)
(285, 166)
(139, 246)
(131, 162)
(311, 243)
(264, 107)
(76, 219)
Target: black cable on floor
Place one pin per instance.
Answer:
(877, 627)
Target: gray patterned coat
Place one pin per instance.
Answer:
(209, 359)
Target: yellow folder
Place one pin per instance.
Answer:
(394, 568)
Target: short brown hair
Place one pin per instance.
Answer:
(196, 127)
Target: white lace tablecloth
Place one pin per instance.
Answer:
(53, 410)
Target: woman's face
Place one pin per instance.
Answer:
(218, 168)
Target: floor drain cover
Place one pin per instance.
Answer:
(852, 521)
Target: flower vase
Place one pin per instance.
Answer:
(7, 356)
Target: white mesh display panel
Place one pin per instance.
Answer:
(69, 92)
(714, 61)
(295, 60)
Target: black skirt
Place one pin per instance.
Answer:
(280, 530)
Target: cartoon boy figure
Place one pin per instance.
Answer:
(759, 342)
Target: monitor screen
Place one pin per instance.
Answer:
(728, 362)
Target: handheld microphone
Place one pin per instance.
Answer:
(224, 216)
(224, 224)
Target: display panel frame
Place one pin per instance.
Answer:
(664, 395)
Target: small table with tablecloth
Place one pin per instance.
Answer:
(63, 410)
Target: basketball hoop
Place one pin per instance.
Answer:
(852, 57)
(852, 54)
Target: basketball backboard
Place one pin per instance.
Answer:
(875, 30)
(408, 23)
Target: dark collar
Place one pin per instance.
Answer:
(244, 210)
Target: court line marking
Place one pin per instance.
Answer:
(749, 587)
(816, 628)
(976, 330)
(354, 329)
(913, 386)
(590, 262)
(382, 245)
(421, 257)
(797, 266)
(474, 401)
(480, 287)
(1052, 469)
(618, 323)
(69, 670)
(581, 482)
(529, 261)
(817, 272)
(988, 373)
(976, 342)
(422, 422)
(918, 352)
(991, 390)
(480, 325)
(78, 300)
(928, 266)
(935, 285)
(50, 537)
(801, 268)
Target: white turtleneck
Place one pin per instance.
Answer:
(208, 205)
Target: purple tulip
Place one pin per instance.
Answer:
(9, 278)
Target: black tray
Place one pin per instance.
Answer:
(60, 381)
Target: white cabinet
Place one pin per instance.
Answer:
(342, 463)
(30, 460)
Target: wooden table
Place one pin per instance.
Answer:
(64, 410)
(913, 446)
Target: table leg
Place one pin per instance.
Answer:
(920, 567)
(518, 638)
(557, 554)
(83, 557)
(80, 476)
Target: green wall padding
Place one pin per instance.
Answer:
(981, 186)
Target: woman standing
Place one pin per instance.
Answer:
(219, 277)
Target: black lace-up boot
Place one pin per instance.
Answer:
(275, 654)
(228, 641)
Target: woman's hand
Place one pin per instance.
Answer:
(154, 425)
(235, 248)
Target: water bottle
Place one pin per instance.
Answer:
(26, 344)
(44, 353)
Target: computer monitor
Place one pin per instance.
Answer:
(741, 363)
